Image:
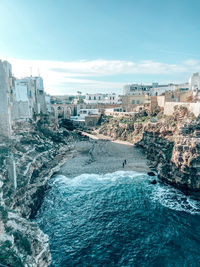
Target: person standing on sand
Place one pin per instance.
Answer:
(123, 165)
(125, 161)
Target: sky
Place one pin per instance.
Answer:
(100, 45)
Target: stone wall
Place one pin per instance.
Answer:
(21, 110)
(192, 107)
(161, 101)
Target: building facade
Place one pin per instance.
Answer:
(154, 89)
(5, 98)
(106, 99)
(194, 84)
(130, 102)
(20, 99)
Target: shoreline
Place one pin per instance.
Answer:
(100, 156)
(103, 137)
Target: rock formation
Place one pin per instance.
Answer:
(172, 145)
(27, 161)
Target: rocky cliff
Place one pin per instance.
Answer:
(172, 145)
(27, 161)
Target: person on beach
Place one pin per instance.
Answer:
(123, 165)
(125, 161)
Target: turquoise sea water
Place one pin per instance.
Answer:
(119, 219)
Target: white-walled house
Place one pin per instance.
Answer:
(154, 89)
(112, 99)
(21, 108)
(136, 89)
(48, 102)
(194, 84)
(5, 103)
(29, 98)
(82, 113)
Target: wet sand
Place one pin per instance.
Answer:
(103, 156)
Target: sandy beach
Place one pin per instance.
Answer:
(103, 156)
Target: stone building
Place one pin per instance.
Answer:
(130, 102)
(136, 89)
(154, 89)
(106, 99)
(194, 84)
(91, 121)
(21, 108)
(5, 99)
(20, 99)
(29, 98)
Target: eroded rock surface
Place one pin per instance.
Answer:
(172, 145)
(36, 151)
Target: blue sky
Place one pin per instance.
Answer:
(100, 45)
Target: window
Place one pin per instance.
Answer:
(133, 102)
(138, 101)
(89, 97)
(94, 97)
(99, 98)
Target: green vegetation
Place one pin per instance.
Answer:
(4, 151)
(22, 242)
(3, 214)
(169, 151)
(8, 256)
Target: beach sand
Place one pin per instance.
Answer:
(103, 156)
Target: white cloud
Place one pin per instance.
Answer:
(68, 77)
(191, 62)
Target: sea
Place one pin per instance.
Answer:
(119, 219)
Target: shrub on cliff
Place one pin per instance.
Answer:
(8, 256)
(3, 214)
(22, 242)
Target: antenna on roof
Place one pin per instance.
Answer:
(31, 71)
(38, 72)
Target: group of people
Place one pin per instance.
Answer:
(124, 163)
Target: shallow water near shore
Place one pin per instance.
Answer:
(119, 219)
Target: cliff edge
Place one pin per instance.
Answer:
(27, 161)
(172, 144)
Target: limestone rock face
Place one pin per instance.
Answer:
(36, 151)
(172, 145)
(175, 153)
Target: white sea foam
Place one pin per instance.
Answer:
(91, 178)
(174, 199)
(164, 194)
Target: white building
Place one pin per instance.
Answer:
(112, 99)
(21, 108)
(48, 102)
(194, 84)
(5, 99)
(29, 98)
(20, 99)
(82, 113)
(154, 89)
(136, 89)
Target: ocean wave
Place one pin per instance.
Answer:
(174, 199)
(91, 178)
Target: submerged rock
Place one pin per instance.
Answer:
(153, 182)
(151, 173)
